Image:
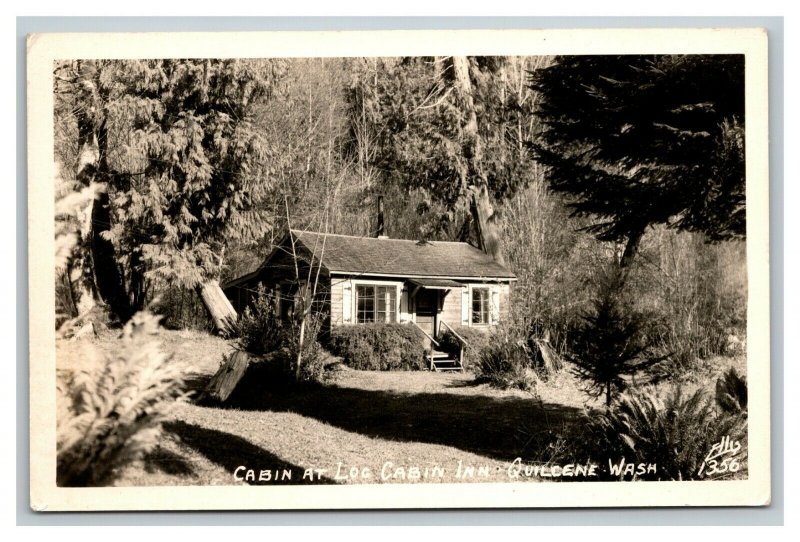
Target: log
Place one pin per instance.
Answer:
(226, 379)
(219, 306)
(551, 361)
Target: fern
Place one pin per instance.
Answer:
(731, 392)
(111, 414)
(675, 433)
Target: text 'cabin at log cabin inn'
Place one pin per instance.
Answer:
(433, 285)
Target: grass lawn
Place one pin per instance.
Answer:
(387, 426)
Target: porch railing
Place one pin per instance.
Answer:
(464, 343)
(433, 341)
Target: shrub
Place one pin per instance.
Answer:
(505, 363)
(731, 393)
(259, 331)
(676, 433)
(384, 347)
(111, 414)
(477, 341)
(313, 355)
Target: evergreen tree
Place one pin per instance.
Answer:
(640, 140)
(611, 343)
(184, 166)
(453, 130)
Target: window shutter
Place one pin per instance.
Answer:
(495, 305)
(404, 312)
(465, 306)
(347, 302)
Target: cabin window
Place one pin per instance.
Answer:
(480, 306)
(376, 303)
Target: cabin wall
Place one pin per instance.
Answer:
(451, 308)
(455, 306)
(282, 270)
(338, 285)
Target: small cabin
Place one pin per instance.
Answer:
(434, 285)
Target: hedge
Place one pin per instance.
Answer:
(379, 347)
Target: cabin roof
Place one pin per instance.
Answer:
(345, 254)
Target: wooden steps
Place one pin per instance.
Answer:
(443, 362)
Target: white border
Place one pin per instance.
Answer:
(44, 48)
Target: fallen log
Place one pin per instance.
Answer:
(226, 379)
(219, 306)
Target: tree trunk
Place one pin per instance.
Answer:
(101, 273)
(628, 255)
(106, 271)
(631, 249)
(473, 180)
(300, 350)
(137, 286)
(485, 225)
(219, 307)
(82, 275)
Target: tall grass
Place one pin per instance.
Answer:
(110, 414)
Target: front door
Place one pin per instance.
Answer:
(427, 306)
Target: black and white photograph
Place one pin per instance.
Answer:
(419, 280)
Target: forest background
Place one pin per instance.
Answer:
(197, 166)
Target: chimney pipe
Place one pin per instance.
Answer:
(380, 230)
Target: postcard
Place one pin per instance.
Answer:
(399, 269)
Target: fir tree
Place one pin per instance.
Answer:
(611, 343)
(635, 141)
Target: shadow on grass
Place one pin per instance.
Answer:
(230, 452)
(499, 427)
(167, 462)
(455, 384)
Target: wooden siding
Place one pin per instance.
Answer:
(337, 298)
(451, 308)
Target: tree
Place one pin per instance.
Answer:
(641, 140)
(185, 168)
(451, 131)
(612, 342)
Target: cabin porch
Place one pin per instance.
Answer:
(426, 301)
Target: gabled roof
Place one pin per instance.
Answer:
(344, 254)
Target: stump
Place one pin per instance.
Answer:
(551, 361)
(226, 379)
